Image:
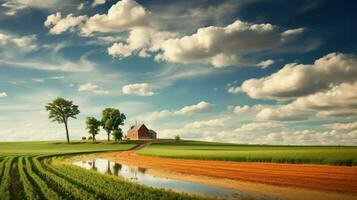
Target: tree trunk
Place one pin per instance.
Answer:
(93, 137)
(108, 135)
(67, 134)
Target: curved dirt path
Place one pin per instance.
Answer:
(322, 177)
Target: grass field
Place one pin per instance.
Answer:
(332, 155)
(36, 170)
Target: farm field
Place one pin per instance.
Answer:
(36, 170)
(331, 155)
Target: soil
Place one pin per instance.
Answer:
(338, 181)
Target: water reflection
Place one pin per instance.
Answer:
(139, 175)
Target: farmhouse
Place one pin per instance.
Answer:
(140, 132)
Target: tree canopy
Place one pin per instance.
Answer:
(93, 126)
(60, 110)
(118, 134)
(111, 120)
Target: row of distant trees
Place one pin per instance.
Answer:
(60, 110)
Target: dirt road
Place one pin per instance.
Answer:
(321, 177)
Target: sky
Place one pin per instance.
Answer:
(255, 72)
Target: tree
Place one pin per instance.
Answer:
(177, 138)
(117, 134)
(60, 110)
(93, 126)
(111, 120)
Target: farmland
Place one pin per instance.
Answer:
(37, 170)
(331, 155)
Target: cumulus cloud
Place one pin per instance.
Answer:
(258, 126)
(119, 50)
(284, 113)
(213, 123)
(265, 63)
(268, 133)
(198, 108)
(24, 43)
(295, 80)
(3, 94)
(201, 107)
(247, 109)
(89, 87)
(339, 101)
(234, 90)
(122, 16)
(141, 89)
(142, 41)
(342, 126)
(221, 46)
(58, 25)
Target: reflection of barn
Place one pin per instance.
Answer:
(140, 132)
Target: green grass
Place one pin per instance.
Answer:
(53, 147)
(332, 155)
(36, 170)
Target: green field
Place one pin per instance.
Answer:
(37, 170)
(332, 155)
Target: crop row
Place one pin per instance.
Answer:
(46, 177)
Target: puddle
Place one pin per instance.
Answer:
(140, 175)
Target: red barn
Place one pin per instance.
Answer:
(140, 132)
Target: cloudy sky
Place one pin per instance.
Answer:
(258, 71)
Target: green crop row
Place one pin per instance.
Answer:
(48, 177)
(5, 186)
(113, 187)
(27, 186)
(331, 155)
(46, 191)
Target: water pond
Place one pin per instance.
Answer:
(140, 175)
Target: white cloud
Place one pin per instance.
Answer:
(293, 32)
(213, 123)
(122, 16)
(119, 50)
(295, 80)
(59, 64)
(141, 89)
(98, 2)
(58, 25)
(265, 63)
(234, 90)
(338, 101)
(89, 87)
(246, 109)
(24, 43)
(224, 60)
(258, 126)
(3, 94)
(142, 40)
(221, 46)
(201, 107)
(13, 6)
(80, 6)
(342, 126)
(198, 108)
(284, 113)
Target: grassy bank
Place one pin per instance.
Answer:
(332, 155)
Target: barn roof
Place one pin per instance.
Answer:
(135, 127)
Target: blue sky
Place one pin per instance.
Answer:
(267, 72)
